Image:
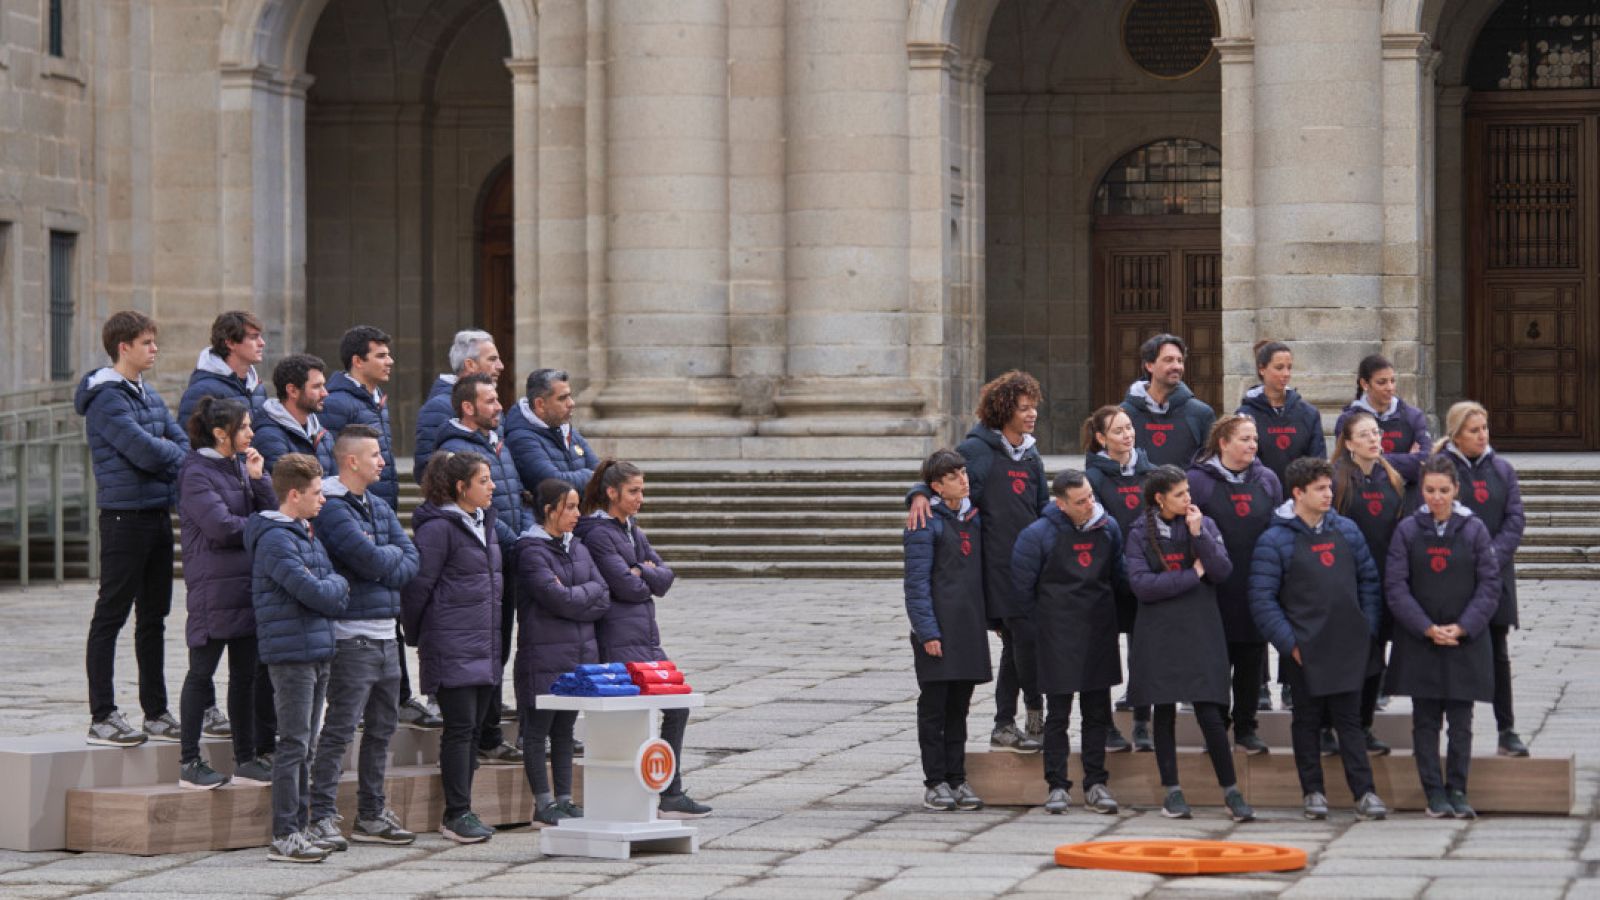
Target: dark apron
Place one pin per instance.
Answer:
(1484, 493)
(1242, 512)
(1165, 439)
(1076, 615)
(1010, 504)
(1375, 509)
(1443, 578)
(1178, 652)
(957, 587)
(1320, 597)
(1123, 499)
(1282, 441)
(1398, 435)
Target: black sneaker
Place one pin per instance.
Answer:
(1264, 701)
(1330, 743)
(550, 814)
(507, 754)
(1460, 807)
(256, 772)
(216, 724)
(1511, 745)
(1238, 809)
(297, 848)
(1251, 743)
(415, 714)
(466, 828)
(1376, 746)
(1439, 805)
(1141, 737)
(1116, 743)
(385, 829)
(573, 810)
(684, 806)
(197, 776)
(114, 731)
(1175, 807)
(163, 728)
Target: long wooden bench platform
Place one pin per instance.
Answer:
(1541, 785)
(1394, 728)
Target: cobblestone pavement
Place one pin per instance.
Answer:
(807, 749)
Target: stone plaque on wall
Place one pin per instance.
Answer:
(1169, 38)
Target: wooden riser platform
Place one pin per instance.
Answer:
(164, 818)
(1540, 785)
(1394, 728)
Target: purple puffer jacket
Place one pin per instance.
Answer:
(1397, 577)
(215, 500)
(451, 611)
(628, 632)
(560, 596)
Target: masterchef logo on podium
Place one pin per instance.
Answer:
(654, 765)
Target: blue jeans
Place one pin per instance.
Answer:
(363, 684)
(298, 692)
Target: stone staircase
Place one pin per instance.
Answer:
(832, 520)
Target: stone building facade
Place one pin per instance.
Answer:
(812, 228)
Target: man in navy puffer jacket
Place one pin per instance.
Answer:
(227, 368)
(137, 450)
(355, 398)
(289, 424)
(471, 353)
(540, 435)
(370, 549)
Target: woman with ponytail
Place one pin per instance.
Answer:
(1405, 429)
(636, 576)
(1175, 558)
(1289, 427)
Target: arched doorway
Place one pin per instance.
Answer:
(1533, 208)
(1158, 263)
(496, 273)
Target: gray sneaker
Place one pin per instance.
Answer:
(1316, 806)
(1238, 808)
(415, 714)
(466, 828)
(573, 810)
(385, 829)
(326, 833)
(681, 806)
(940, 798)
(163, 728)
(257, 772)
(550, 814)
(1371, 807)
(197, 776)
(966, 797)
(1011, 739)
(1098, 798)
(216, 724)
(114, 731)
(1058, 802)
(1035, 725)
(507, 754)
(297, 848)
(1174, 806)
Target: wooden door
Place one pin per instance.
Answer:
(497, 277)
(1156, 274)
(1533, 333)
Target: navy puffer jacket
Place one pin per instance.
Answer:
(349, 403)
(212, 378)
(1269, 565)
(451, 611)
(435, 411)
(136, 447)
(512, 517)
(216, 499)
(628, 633)
(294, 590)
(369, 548)
(278, 433)
(560, 595)
(542, 452)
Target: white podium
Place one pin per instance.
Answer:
(626, 766)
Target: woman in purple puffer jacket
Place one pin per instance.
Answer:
(220, 485)
(451, 613)
(635, 574)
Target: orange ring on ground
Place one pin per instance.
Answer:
(1177, 857)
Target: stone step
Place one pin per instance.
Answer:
(790, 569)
(821, 554)
(888, 491)
(1539, 785)
(1560, 537)
(750, 537)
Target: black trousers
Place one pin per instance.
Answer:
(266, 724)
(1210, 717)
(1096, 707)
(1246, 658)
(674, 722)
(199, 694)
(136, 577)
(1504, 718)
(462, 711)
(1427, 717)
(1019, 671)
(1343, 711)
(1373, 687)
(490, 735)
(942, 731)
(556, 725)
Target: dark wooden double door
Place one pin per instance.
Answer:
(1533, 271)
(1156, 274)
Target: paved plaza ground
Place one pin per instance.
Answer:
(807, 749)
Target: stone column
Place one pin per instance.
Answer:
(1237, 61)
(848, 227)
(1408, 330)
(525, 215)
(667, 354)
(1319, 198)
(1450, 237)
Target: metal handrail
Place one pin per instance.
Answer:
(58, 447)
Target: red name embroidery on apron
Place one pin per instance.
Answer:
(1019, 481)
(1174, 561)
(1389, 439)
(1374, 502)
(966, 543)
(1159, 435)
(1285, 435)
(1241, 504)
(1130, 496)
(1084, 556)
(1439, 558)
(1325, 552)
(1480, 491)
